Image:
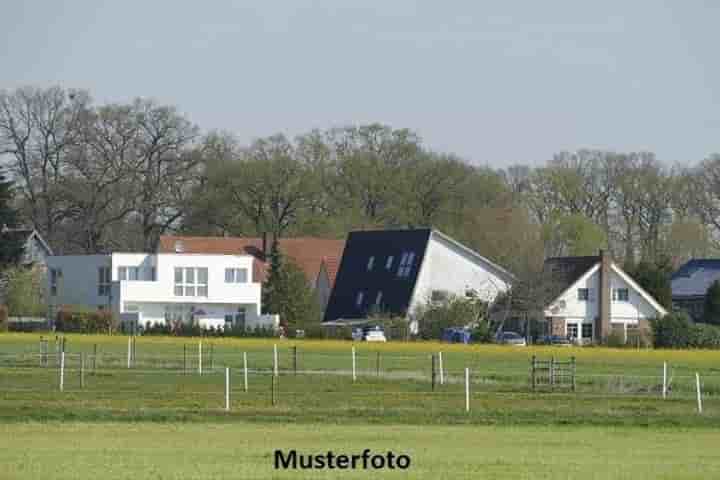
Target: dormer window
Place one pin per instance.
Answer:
(389, 262)
(359, 299)
(583, 294)
(371, 262)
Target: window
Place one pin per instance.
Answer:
(191, 282)
(587, 330)
(103, 281)
(583, 294)
(572, 330)
(371, 262)
(359, 299)
(378, 298)
(620, 295)
(389, 262)
(235, 275)
(55, 273)
(406, 264)
(122, 273)
(136, 273)
(235, 318)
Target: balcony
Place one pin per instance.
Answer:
(161, 292)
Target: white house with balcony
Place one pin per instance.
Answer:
(209, 290)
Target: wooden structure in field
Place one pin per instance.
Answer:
(552, 374)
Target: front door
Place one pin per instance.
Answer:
(572, 331)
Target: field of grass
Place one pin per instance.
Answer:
(162, 419)
(245, 451)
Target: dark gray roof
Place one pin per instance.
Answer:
(695, 277)
(564, 271)
(353, 275)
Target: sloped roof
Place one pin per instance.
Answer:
(354, 276)
(306, 252)
(695, 277)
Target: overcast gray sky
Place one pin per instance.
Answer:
(495, 82)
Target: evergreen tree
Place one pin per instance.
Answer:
(712, 304)
(11, 248)
(654, 278)
(286, 292)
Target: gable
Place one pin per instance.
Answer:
(639, 305)
(455, 270)
(386, 248)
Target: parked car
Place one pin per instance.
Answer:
(369, 334)
(512, 338)
(456, 335)
(557, 340)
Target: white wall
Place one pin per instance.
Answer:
(577, 311)
(453, 269)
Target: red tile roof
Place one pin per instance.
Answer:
(307, 252)
(332, 264)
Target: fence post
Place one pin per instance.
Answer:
(62, 371)
(245, 370)
(699, 396)
(227, 389)
(440, 365)
(572, 359)
(275, 361)
(467, 389)
(212, 357)
(295, 359)
(377, 364)
(532, 372)
(184, 358)
(129, 351)
(664, 385)
(354, 375)
(82, 370)
(552, 373)
(134, 341)
(200, 357)
(432, 374)
(272, 388)
(94, 358)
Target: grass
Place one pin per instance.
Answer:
(161, 419)
(141, 450)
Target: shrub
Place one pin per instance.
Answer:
(616, 339)
(704, 336)
(434, 317)
(3, 318)
(672, 331)
(80, 320)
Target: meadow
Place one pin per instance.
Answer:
(161, 418)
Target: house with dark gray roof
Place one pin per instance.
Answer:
(395, 271)
(690, 283)
(593, 297)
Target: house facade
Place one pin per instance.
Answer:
(395, 271)
(690, 284)
(596, 298)
(316, 257)
(207, 290)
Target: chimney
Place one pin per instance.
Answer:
(602, 327)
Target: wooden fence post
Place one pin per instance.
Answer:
(275, 360)
(354, 374)
(94, 358)
(467, 389)
(295, 359)
(699, 394)
(552, 373)
(432, 375)
(572, 360)
(440, 365)
(200, 357)
(664, 385)
(62, 371)
(227, 389)
(532, 372)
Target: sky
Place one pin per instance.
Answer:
(496, 82)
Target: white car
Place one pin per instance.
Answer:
(370, 334)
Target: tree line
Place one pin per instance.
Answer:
(99, 177)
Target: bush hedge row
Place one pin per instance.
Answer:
(677, 331)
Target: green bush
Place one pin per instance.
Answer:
(616, 339)
(85, 321)
(704, 336)
(434, 317)
(672, 331)
(3, 318)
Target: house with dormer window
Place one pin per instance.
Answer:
(395, 271)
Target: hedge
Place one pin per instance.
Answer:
(82, 321)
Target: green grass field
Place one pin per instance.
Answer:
(245, 451)
(172, 420)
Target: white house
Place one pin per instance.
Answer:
(395, 271)
(596, 297)
(210, 290)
